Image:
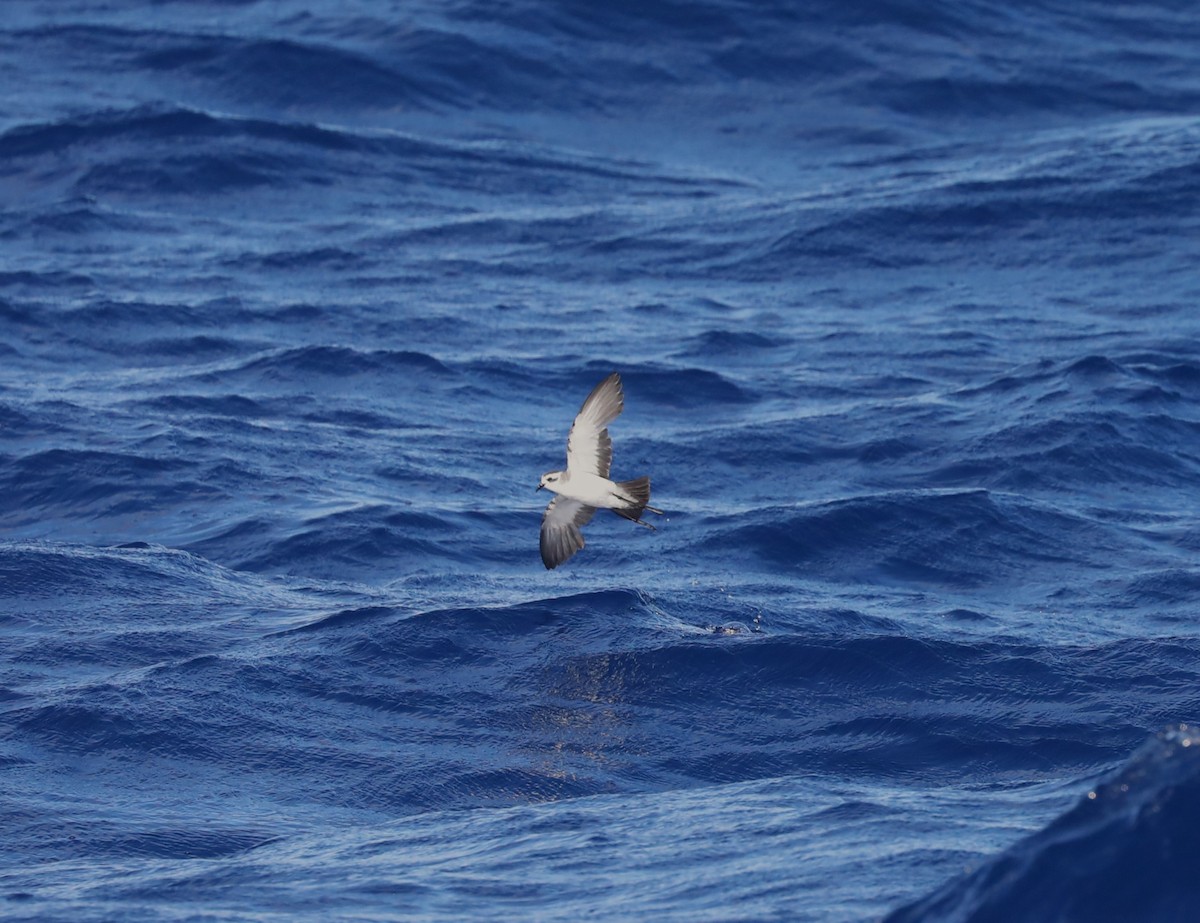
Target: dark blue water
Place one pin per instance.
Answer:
(297, 302)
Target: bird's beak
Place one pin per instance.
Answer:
(539, 487)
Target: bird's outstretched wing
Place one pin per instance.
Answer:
(589, 449)
(561, 537)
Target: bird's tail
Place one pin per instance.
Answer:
(637, 490)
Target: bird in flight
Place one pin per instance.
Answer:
(584, 485)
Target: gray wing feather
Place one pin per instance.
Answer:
(561, 522)
(589, 447)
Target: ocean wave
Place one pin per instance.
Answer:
(14, 421)
(1124, 852)
(39, 281)
(105, 314)
(731, 343)
(154, 150)
(607, 675)
(284, 74)
(340, 543)
(182, 842)
(337, 361)
(78, 479)
(39, 570)
(956, 538)
(371, 65)
(1067, 178)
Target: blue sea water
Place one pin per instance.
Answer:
(297, 301)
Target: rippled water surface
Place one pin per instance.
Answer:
(297, 302)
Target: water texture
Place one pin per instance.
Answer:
(297, 302)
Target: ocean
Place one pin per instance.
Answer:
(298, 301)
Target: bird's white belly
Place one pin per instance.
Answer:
(592, 490)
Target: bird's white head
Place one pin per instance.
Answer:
(550, 480)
